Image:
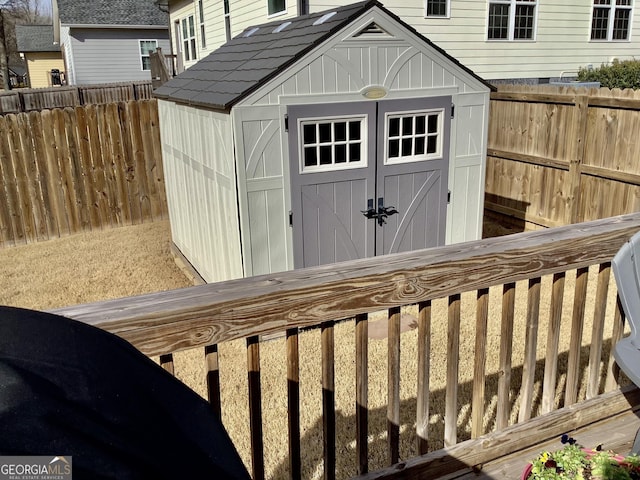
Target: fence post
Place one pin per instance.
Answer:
(580, 115)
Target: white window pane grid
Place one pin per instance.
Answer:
(189, 38)
(332, 144)
(621, 24)
(146, 47)
(524, 22)
(437, 8)
(498, 21)
(611, 19)
(412, 137)
(512, 20)
(276, 6)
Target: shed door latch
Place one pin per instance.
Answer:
(381, 213)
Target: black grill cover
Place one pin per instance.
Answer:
(67, 388)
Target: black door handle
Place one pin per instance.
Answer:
(380, 214)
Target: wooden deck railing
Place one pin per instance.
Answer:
(208, 315)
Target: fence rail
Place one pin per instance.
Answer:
(210, 316)
(559, 155)
(30, 99)
(79, 168)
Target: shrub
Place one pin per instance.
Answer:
(625, 74)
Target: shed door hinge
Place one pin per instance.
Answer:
(286, 123)
(453, 110)
(449, 196)
(290, 218)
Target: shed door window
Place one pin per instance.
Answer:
(332, 144)
(413, 136)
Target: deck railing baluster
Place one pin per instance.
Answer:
(506, 348)
(362, 392)
(255, 407)
(213, 378)
(595, 351)
(328, 400)
(577, 322)
(393, 385)
(293, 403)
(531, 346)
(166, 362)
(479, 363)
(553, 339)
(453, 361)
(424, 363)
(613, 371)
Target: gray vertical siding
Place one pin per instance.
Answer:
(111, 55)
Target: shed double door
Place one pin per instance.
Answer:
(368, 178)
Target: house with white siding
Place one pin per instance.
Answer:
(528, 40)
(109, 41)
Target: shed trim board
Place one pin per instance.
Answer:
(337, 72)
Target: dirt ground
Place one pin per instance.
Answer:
(134, 260)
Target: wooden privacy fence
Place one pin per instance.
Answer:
(559, 155)
(460, 363)
(88, 167)
(28, 99)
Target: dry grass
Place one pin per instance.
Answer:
(134, 260)
(88, 267)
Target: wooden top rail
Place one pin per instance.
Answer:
(567, 99)
(169, 321)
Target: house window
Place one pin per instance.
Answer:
(276, 6)
(227, 20)
(203, 38)
(437, 8)
(511, 19)
(189, 38)
(332, 144)
(146, 47)
(415, 136)
(611, 19)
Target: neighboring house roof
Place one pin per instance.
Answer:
(18, 70)
(111, 13)
(35, 38)
(247, 61)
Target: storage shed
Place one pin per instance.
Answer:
(327, 137)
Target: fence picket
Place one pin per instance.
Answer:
(7, 219)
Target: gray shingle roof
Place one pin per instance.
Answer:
(243, 64)
(35, 38)
(111, 12)
(239, 66)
